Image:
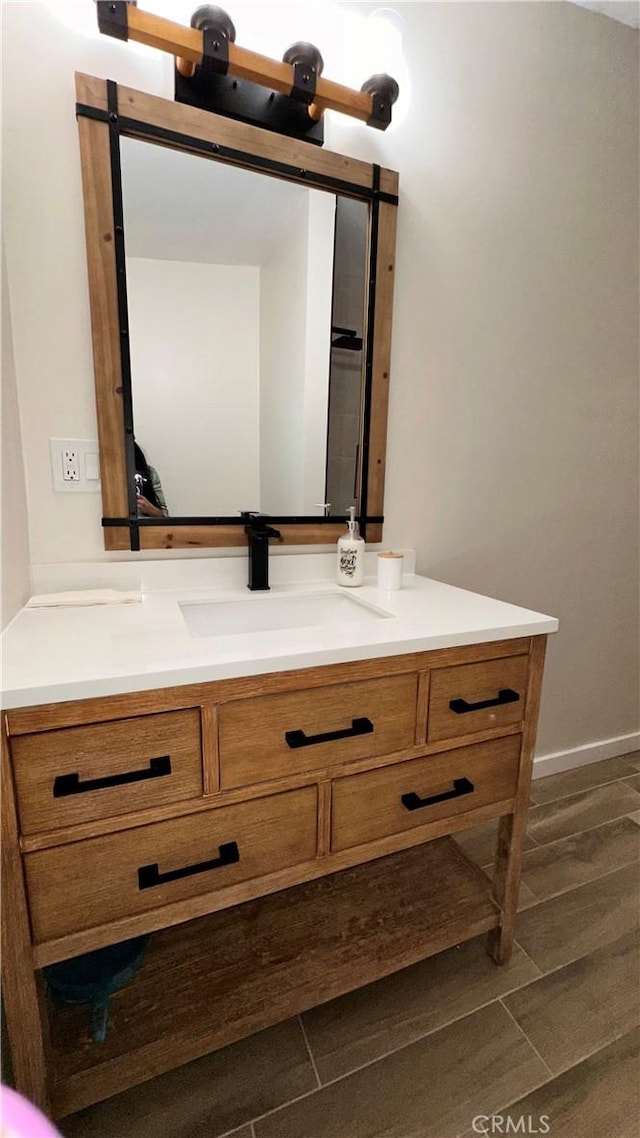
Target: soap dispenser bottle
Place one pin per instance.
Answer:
(350, 569)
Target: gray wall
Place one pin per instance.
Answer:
(513, 432)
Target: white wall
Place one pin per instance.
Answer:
(512, 460)
(295, 343)
(46, 256)
(513, 435)
(14, 537)
(194, 336)
(283, 306)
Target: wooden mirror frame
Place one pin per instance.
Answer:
(105, 111)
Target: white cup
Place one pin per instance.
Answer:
(390, 571)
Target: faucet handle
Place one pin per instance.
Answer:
(258, 527)
(324, 506)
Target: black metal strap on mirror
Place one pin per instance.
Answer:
(123, 308)
(136, 128)
(218, 520)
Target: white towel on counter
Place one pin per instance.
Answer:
(81, 598)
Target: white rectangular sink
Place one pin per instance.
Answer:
(275, 613)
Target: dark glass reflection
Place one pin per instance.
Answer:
(348, 333)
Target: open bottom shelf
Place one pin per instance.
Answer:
(219, 978)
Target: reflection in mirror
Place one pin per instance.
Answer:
(246, 298)
(347, 355)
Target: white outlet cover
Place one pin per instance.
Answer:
(88, 465)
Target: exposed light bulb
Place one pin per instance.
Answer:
(371, 45)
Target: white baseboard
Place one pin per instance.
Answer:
(589, 753)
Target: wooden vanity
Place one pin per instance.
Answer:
(286, 837)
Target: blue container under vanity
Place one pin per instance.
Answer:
(94, 977)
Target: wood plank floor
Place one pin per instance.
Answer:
(552, 1038)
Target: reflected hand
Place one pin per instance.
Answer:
(145, 507)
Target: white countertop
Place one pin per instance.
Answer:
(53, 655)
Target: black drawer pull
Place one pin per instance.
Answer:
(358, 727)
(505, 695)
(66, 784)
(149, 875)
(415, 802)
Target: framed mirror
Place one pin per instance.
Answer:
(241, 289)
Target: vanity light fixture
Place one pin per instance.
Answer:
(212, 72)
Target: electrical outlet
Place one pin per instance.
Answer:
(74, 465)
(70, 465)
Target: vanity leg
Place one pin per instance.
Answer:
(512, 827)
(19, 980)
(506, 884)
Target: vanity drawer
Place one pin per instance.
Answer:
(278, 735)
(81, 774)
(89, 883)
(474, 697)
(405, 796)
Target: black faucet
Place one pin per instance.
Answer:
(258, 533)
